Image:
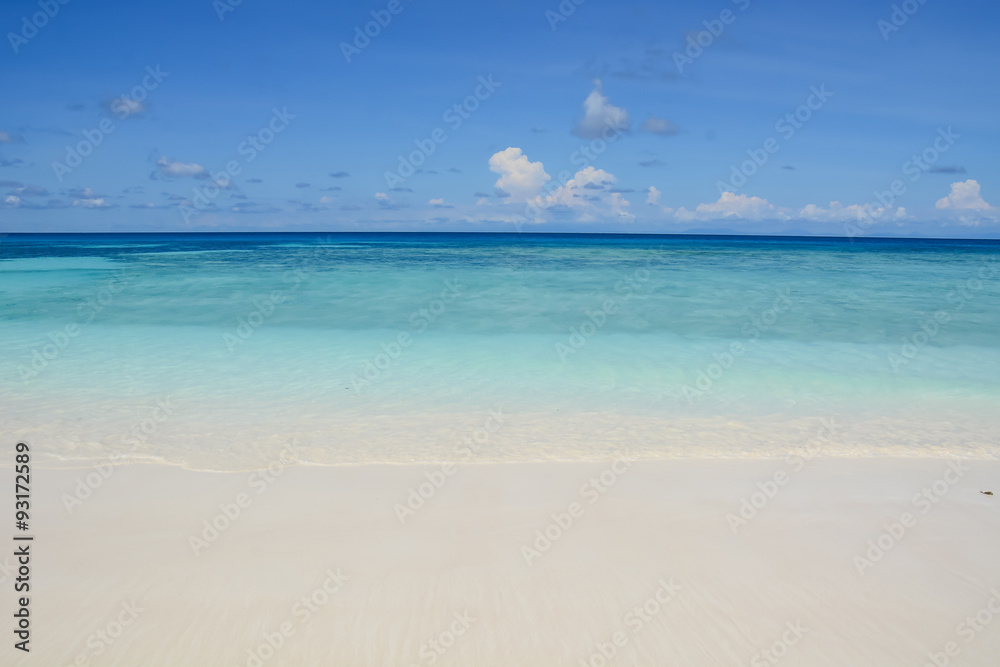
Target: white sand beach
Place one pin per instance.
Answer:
(644, 564)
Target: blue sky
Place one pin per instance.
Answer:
(598, 116)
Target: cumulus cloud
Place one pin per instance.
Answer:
(572, 189)
(732, 205)
(519, 177)
(582, 196)
(653, 196)
(599, 115)
(588, 205)
(439, 203)
(180, 169)
(619, 206)
(661, 126)
(964, 196)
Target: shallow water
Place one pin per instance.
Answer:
(393, 347)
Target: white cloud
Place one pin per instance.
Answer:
(440, 203)
(732, 205)
(964, 196)
(99, 202)
(653, 196)
(837, 212)
(381, 196)
(590, 204)
(662, 126)
(12, 201)
(519, 177)
(599, 115)
(745, 207)
(620, 205)
(180, 169)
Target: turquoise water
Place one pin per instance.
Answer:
(392, 347)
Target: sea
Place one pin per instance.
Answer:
(228, 351)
